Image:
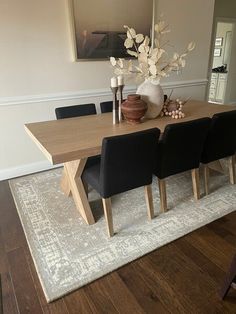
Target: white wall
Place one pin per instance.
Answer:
(37, 73)
(190, 20)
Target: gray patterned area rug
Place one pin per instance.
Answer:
(69, 254)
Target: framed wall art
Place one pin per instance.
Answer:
(98, 26)
(219, 41)
(217, 52)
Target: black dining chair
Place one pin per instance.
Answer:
(179, 150)
(220, 143)
(106, 106)
(78, 111)
(75, 111)
(127, 162)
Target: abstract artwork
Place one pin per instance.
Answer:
(98, 26)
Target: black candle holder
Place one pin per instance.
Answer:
(120, 89)
(115, 111)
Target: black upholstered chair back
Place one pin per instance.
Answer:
(106, 106)
(127, 161)
(75, 111)
(221, 138)
(181, 146)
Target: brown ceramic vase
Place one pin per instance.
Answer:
(134, 109)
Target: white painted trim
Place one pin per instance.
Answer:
(181, 84)
(20, 100)
(26, 169)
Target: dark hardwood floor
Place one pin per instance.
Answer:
(182, 277)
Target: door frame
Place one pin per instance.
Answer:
(211, 57)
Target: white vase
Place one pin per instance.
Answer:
(154, 97)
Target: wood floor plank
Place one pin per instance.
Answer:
(3, 256)
(78, 302)
(9, 305)
(160, 286)
(212, 246)
(229, 222)
(98, 299)
(25, 292)
(143, 293)
(213, 272)
(8, 295)
(222, 232)
(182, 275)
(115, 289)
(12, 232)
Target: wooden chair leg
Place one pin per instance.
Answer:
(232, 169)
(195, 181)
(206, 178)
(162, 190)
(108, 215)
(149, 201)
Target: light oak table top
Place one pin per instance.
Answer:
(76, 138)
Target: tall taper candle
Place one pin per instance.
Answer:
(120, 80)
(114, 82)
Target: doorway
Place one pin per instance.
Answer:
(222, 66)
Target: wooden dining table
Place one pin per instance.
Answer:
(71, 141)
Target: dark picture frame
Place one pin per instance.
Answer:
(98, 26)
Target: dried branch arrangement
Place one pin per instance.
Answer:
(153, 62)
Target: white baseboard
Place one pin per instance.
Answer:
(25, 169)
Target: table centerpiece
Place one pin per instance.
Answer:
(152, 64)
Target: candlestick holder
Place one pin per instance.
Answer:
(115, 111)
(120, 89)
